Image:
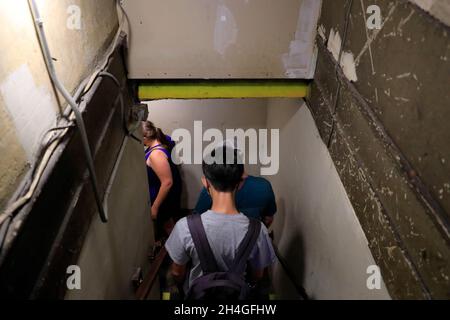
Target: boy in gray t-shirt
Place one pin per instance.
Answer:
(224, 225)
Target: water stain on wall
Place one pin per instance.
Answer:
(30, 106)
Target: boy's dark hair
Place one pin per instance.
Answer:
(223, 168)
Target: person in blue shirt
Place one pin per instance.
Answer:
(254, 198)
(225, 227)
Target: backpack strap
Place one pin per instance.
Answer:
(246, 245)
(206, 256)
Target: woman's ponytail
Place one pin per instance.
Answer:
(153, 133)
(163, 139)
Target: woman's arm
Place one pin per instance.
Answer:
(159, 163)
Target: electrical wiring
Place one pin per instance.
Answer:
(8, 213)
(41, 152)
(37, 171)
(37, 176)
(45, 153)
(122, 148)
(122, 105)
(4, 230)
(38, 23)
(110, 52)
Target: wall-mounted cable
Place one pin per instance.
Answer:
(68, 97)
(46, 151)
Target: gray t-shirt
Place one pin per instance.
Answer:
(224, 232)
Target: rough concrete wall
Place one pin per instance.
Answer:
(316, 229)
(60, 227)
(222, 38)
(221, 114)
(28, 104)
(390, 136)
(12, 162)
(106, 268)
(438, 8)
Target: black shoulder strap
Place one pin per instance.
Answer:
(246, 245)
(205, 254)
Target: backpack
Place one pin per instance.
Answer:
(214, 284)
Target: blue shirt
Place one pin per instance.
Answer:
(172, 201)
(255, 199)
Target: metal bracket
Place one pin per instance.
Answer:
(138, 113)
(137, 278)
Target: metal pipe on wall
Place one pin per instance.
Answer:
(70, 100)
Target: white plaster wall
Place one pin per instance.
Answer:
(221, 114)
(315, 228)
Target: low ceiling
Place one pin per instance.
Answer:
(222, 39)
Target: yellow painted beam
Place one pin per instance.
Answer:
(222, 89)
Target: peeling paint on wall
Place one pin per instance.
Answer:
(347, 59)
(348, 66)
(300, 61)
(322, 32)
(396, 186)
(30, 107)
(222, 39)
